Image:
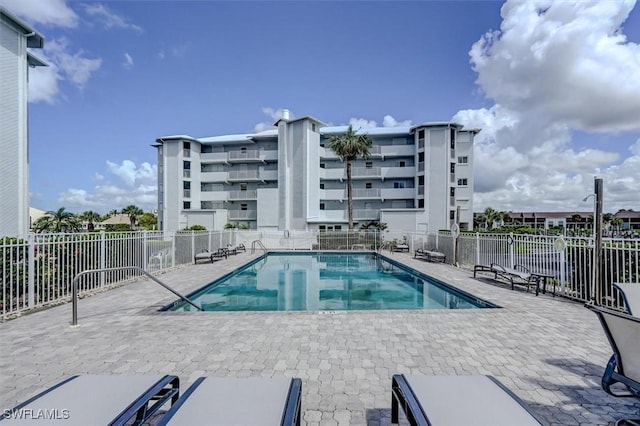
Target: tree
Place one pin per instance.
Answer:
(90, 217)
(349, 147)
(148, 221)
(58, 221)
(133, 212)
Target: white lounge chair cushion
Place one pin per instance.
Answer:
(250, 401)
(89, 400)
(473, 400)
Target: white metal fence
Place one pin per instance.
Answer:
(38, 270)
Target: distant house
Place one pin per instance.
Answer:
(15, 38)
(630, 219)
(117, 219)
(34, 215)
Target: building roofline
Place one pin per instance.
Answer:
(34, 39)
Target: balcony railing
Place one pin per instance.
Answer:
(242, 195)
(249, 155)
(244, 175)
(243, 214)
(366, 214)
(357, 172)
(186, 193)
(364, 193)
(186, 173)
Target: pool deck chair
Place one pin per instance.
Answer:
(97, 400)
(458, 400)
(251, 401)
(630, 296)
(623, 333)
(430, 255)
(519, 274)
(211, 256)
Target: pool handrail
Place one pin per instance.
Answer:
(259, 244)
(74, 285)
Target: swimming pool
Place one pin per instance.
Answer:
(325, 281)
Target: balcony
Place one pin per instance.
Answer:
(366, 214)
(242, 195)
(186, 173)
(243, 175)
(366, 172)
(371, 193)
(242, 214)
(186, 193)
(332, 174)
(214, 157)
(213, 196)
(398, 172)
(398, 193)
(213, 176)
(248, 156)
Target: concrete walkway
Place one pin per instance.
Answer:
(551, 352)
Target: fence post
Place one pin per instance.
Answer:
(511, 243)
(103, 255)
(173, 248)
(31, 271)
(145, 251)
(478, 249)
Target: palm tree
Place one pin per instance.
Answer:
(90, 217)
(58, 221)
(133, 212)
(349, 147)
(480, 221)
(491, 216)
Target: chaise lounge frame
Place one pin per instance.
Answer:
(457, 400)
(233, 401)
(98, 399)
(430, 255)
(519, 275)
(623, 332)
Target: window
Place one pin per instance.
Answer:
(186, 145)
(453, 138)
(463, 159)
(338, 228)
(186, 169)
(322, 186)
(421, 203)
(368, 185)
(462, 182)
(243, 150)
(452, 214)
(243, 187)
(421, 157)
(186, 184)
(186, 205)
(398, 184)
(452, 192)
(322, 228)
(206, 149)
(313, 127)
(368, 164)
(402, 163)
(321, 206)
(322, 165)
(421, 134)
(452, 167)
(243, 206)
(420, 180)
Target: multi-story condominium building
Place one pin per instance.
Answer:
(15, 38)
(417, 177)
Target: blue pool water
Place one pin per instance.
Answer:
(327, 281)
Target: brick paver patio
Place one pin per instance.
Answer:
(550, 351)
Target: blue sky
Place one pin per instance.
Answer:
(553, 85)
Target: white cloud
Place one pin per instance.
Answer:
(63, 66)
(134, 184)
(128, 61)
(50, 12)
(275, 114)
(389, 121)
(553, 68)
(109, 18)
(362, 123)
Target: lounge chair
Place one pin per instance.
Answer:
(519, 274)
(630, 296)
(207, 255)
(238, 401)
(400, 247)
(458, 400)
(241, 247)
(97, 400)
(430, 255)
(623, 333)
